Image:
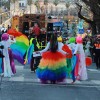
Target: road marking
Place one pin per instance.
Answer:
(17, 79)
(94, 70)
(96, 82)
(19, 67)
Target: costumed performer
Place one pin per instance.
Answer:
(53, 64)
(70, 68)
(6, 42)
(73, 61)
(12, 64)
(82, 71)
(80, 27)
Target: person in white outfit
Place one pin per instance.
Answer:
(82, 71)
(6, 42)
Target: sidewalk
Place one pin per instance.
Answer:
(25, 75)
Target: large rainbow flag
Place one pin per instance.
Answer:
(19, 48)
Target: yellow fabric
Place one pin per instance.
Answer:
(59, 39)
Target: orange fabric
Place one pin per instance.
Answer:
(66, 49)
(97, 45)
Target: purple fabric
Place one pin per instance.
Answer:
(12, 64)
(19, 59)
(5, 37)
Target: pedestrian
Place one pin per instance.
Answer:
(30, 58)
(96, 50)
(36, 30)
(53, 64)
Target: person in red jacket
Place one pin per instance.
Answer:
(36, 30)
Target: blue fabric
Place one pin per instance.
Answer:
(0, 65)
(51, 75)
(60, 24)
(80, 31)
(30, 51)
(74, 61)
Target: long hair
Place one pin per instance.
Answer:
(53, 43)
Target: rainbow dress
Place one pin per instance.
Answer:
(52, 67)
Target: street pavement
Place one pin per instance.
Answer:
(24, 85)
(24, 74)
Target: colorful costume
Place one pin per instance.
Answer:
(6, 42)
(81, 69)
(52, 66)
(80, 27)
(72, 61)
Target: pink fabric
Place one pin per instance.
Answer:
(77, 65)
(79, 39)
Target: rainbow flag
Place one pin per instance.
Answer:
(19, 48)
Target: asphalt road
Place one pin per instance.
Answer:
(24, 85)
(31, 91)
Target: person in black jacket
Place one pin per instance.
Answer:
(96, 50)
(34, 60)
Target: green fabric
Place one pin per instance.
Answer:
(69, 67)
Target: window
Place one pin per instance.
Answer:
(22, 4)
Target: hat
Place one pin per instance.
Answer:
(5, 37)
(79, 39)
(59, 39)
(72, 40)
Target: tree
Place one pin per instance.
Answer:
(13, 1)
(67, 7)
(46, 4)
(94, 6)
(42, 9)
(29, 2)
(56, 3)
(37, 6)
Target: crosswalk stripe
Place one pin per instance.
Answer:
(96, 82)
(17, 79)
(67, 81)
(94, 70)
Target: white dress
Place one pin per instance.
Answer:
(60, 45)
(72, 46)
(6, 60)
(82, 65)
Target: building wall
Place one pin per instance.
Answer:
(22, 3)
